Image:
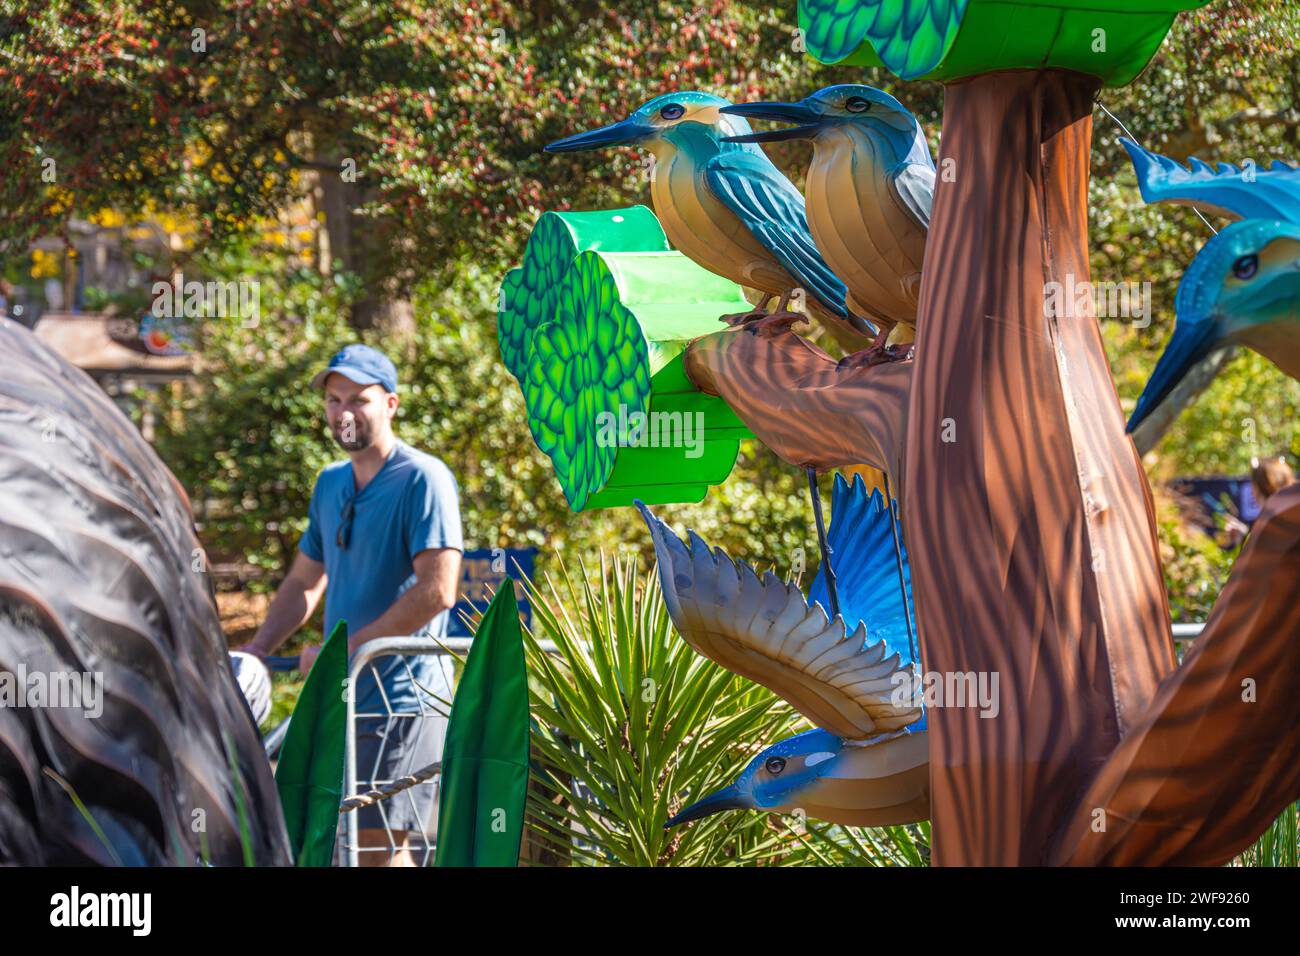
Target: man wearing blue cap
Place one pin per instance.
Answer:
(384, 546)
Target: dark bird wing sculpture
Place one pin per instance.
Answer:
(103, 594)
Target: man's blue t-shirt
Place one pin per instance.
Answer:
(411, 505)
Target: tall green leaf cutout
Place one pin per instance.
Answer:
(310, 773)
(485, 760)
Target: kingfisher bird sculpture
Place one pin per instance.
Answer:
(726, 206)
(854, 675)
(869, 191)
(1048, 578)
(1243, 287)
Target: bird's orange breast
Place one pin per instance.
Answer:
(698, 224)
(864, 232)
(1278, 341)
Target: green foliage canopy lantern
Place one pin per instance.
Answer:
(593, 325)
(950, 39)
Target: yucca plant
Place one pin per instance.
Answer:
(1279, 845)
(629, 723)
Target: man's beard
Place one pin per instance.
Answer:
(353, 436)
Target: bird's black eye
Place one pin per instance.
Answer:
(775, 765)
(673, 111)
(1246, 266)
(856, 104)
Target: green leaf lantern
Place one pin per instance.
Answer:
(593, 325)
(950, 39)
(528, 293)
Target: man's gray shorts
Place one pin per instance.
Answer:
(394, 746)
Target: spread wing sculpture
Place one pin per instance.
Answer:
(867, 763)
(1237, 192)
(100, 594)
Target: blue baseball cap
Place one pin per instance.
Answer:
(361, 364)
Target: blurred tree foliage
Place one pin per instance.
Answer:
(249, 438)
(445, 108)
(1195, 566)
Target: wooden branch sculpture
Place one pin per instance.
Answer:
(1215, 757)
(802, 404)
(1057, 585)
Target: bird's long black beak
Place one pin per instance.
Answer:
(808, 119)
(728, 798)
(622, 133)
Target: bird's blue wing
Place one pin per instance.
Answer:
(763, 628)
(915, 186)
(861, 538)
(772, 209)
(866, 567)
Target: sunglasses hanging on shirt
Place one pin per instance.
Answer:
(344, 536)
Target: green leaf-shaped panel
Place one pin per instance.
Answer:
(309, 775)
(586, 361)
(597, 348)
(911, 38)
(485, 761)
(528, 292)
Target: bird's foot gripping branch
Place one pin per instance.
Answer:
(593, 324)
(811, 410)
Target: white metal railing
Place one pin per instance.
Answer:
(365, 656)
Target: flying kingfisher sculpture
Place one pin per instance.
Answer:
(869, 191)
(852, 674)
(1243, 287)
(726, 206)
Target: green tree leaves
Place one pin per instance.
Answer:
(592, 325)
(951, 39)
(589, 359)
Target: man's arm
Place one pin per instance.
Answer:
(437, 573)
(293, 604)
